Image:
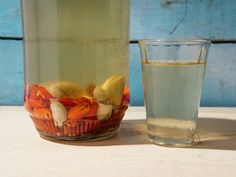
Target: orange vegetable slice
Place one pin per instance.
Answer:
(38, 96)
(38, 103)
(43, 113)
(86, 108)
(78, 112)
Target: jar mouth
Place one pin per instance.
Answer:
(164, 42)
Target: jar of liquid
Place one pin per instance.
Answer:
(76, 67)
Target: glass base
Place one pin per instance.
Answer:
(93, 137)
(170, 142)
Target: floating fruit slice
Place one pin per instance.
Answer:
(104, 111)
(100, 95)
(114, 87)
(59, 113)
(42, 113)
(63, 89)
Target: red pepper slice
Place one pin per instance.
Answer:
(68, 102)
(44, 94)
(35, 91)
(38, 96)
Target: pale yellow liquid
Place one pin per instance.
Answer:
(172, 97)
(82, 41)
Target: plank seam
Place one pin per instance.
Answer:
(233, 41)
(11, 38)
(212, 41)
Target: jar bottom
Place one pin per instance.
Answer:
(92, 137)
(84, 130)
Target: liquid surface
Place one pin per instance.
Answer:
(172, 97)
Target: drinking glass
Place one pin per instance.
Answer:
(173, 73)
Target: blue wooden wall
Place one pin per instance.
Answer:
(162, 19)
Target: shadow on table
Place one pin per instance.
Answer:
(216, 134)
(212, 134)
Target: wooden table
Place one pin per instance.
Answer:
(24, 154)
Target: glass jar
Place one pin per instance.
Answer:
(76, 67)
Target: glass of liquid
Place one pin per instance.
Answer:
(173, 73)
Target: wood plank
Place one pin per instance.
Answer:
(10, 18)
(11, 73)
(177, 19)
(220, 81)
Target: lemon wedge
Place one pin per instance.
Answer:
(114, 87)
(60, 89)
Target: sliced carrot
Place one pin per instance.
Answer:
(78, 112)
(43, 93)
(38, 103)
(43, 113)
(32, 91)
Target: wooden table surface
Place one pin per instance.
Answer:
(24, 154)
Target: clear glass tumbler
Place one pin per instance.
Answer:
(173, 73)
(76, 66)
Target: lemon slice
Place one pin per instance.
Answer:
(114, 87)
(62, 89)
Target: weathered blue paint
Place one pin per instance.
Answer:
(136, 88)
(11, 73)
(10, 18)
(213, 19)
(220, 79)
(176, 19)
